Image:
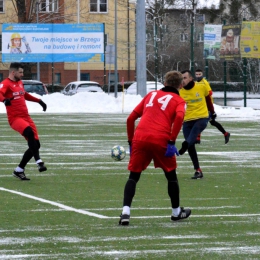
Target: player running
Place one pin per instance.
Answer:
(202, 81)
(13, 95)
(199, 104)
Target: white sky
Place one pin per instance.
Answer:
(104, 103)
(207, 3)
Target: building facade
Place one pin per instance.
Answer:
(78, 11)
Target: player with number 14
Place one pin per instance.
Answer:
(161, 114)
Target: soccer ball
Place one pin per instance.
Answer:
(118, 153)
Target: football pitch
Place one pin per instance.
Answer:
(72, 210)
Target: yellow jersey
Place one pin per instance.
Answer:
(195, 99)
(206, 83)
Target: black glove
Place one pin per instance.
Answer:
(7, 102)
(130, 147)
(44, 106)
(213, 116)
(184, 147)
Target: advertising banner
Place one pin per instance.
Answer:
(230, 42)
(53, 42)
(250, 40)
(212, 40)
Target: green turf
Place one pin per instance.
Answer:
(81, 176)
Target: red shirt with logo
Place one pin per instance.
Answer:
(14, 90)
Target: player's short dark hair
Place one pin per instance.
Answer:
(15, 66)
(198, 70)
(188, 71)
(173, 79)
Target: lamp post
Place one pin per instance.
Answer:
(155, 39)
(140, 48)
(155, 51)
(37, 21)
(194, 3)
(115, 65)
(78, 65)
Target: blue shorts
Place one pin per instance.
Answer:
(191, 129)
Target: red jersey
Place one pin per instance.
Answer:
(15, 90)
(161, 115)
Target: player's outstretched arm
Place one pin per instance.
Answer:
(44, 106)
(29, 97)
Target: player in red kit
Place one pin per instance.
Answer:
(162, 114)
(13, 95)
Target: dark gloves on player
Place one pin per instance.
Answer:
(7, 102)
(184, 147)
(44, 106)
(130, 147)
(213, 116)
(171, 149)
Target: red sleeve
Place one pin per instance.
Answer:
(210, 104)
(177, 125)
(3, 90)
(1, 97)
(130, 124)
(29, 97)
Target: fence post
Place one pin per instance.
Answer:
(245, 79)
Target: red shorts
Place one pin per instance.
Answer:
(19, 124)
(144, 152)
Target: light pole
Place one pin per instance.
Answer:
(155, 51)
(37, 21)
(140, 48)
(194, 3)
(78, 65)
(155, 39)
(115, 68)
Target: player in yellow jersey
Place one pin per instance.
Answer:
(213, 122)
(196, 118)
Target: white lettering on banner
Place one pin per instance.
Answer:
(50, 42)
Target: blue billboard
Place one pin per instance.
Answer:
(53, 42)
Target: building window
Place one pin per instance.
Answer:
(98, 6)
(200, 37)
(1, 77)
(0, 42)
(49, 6)
(1, 6)
(57, 78)
(84, 76)
(183, 37)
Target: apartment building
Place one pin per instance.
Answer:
(72, 12)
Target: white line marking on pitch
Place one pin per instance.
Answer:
(84, 212)
(198, 216)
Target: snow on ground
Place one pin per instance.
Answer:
(104, 103)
